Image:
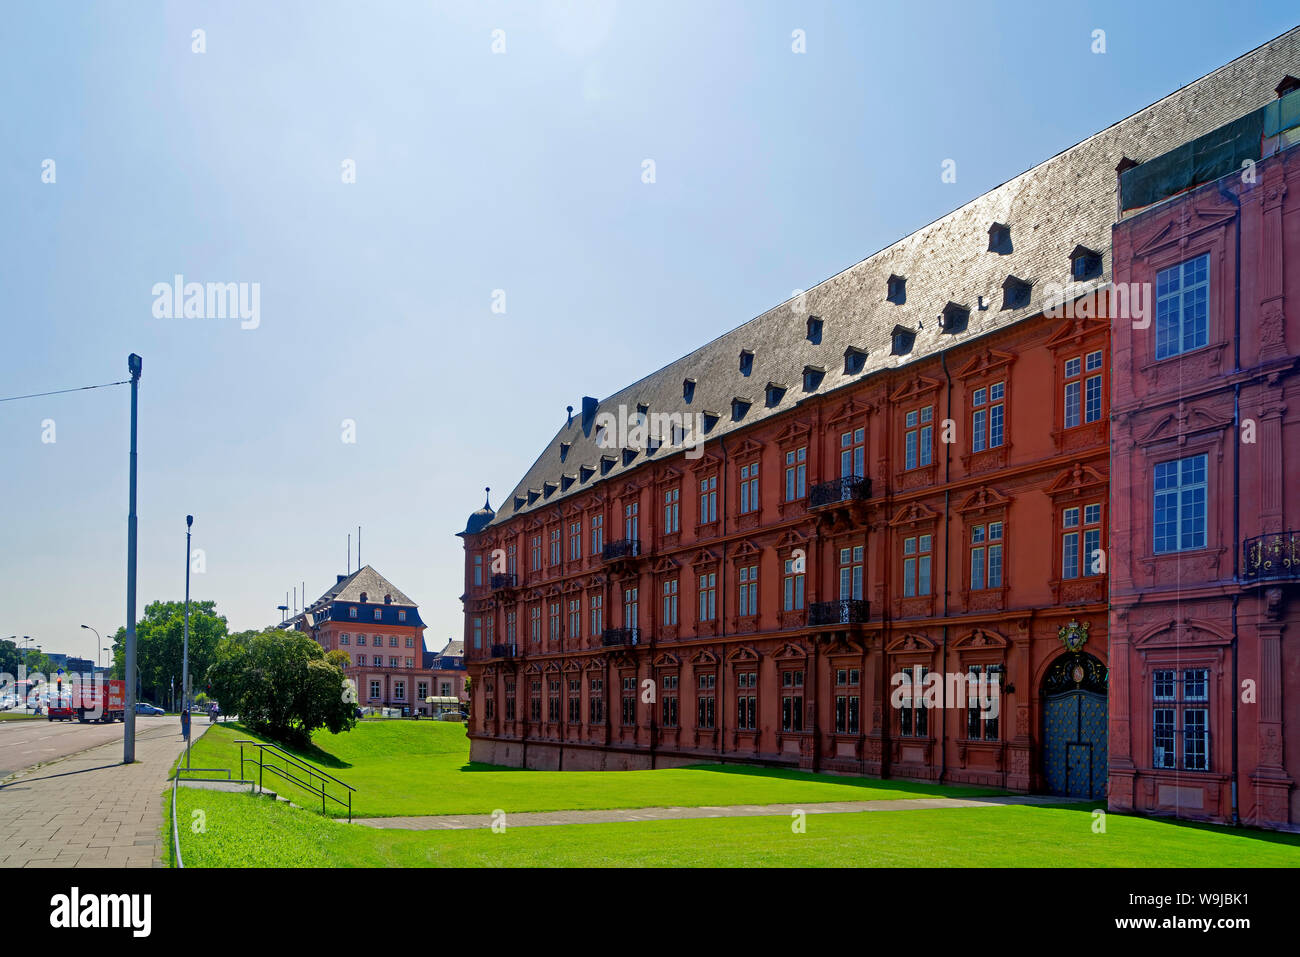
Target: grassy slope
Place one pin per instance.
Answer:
(247, 831)
(409, 767)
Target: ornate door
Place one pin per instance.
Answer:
(1074, 726)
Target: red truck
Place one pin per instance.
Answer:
(102, 701)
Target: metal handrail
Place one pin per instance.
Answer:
(298, 763)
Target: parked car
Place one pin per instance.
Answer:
(144, 707)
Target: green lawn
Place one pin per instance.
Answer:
(19, 716)
(240, 830)
(421, 767)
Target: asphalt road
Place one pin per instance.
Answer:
(25, 743)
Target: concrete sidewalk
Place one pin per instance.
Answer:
(618, 815)
(90, 809)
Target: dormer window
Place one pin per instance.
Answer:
(363, 597)
(585, 472)
(812, 378)
(379, 614)
(1000, 238)
(746, 362)
(897, 291)
(642, 409)
(901, 341)
(773, 394)
(565, 482)
(855, 360)
(954, 318)
(388, 599)
(688, 389)
(814, 330)
(710, 420)
(628, 456)
(606, 463)
(549, 489)
(533, 495)
(519, 502)
(1084, 263)
(739, 406)
(352, 611)
(1015, 293)
(564, 450)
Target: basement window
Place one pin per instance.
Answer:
(746, 362)
(814, 330)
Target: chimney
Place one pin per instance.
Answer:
(588, 412)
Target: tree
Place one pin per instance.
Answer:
(10, 658)
(160, 641)
(281, 685)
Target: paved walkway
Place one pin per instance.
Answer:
(618, 815)
(90, 809)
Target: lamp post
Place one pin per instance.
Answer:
(27, 640)
(98, 640)
(136, 366)
(185, 652)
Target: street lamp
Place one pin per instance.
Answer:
(27, 640)
(185, 653)
(98, 640)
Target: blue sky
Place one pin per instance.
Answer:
(475, 171)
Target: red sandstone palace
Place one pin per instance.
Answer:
(953, 514)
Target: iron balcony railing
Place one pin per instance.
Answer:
(846, 611)
(845, 489)
(620, 636)
(503, 651)
(1274, 556)
(502, 581)
(624, 548)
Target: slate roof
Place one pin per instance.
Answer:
(367, 580)
(455, 649)
(1067, 201)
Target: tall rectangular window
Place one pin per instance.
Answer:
(708, 500)
(630, 606)
(672, 513)
(918, 437)
(512, 558)
(853, 453)
(792, 587)
(670, 601)
(554, 622)
(706, 701)
(597, 605)
(792, 701)
(670, 700)
(535, 552)
(535, 623)
(1180, 497)
(796, 474)
(478, 632)
(749, 488)
(575, 617)
(628, 717)
(478, 570)
(987, 417)
(1182, 307)
(851, 573)
(632, 521)
(982, 681)
(746, 700)
(913, 718)
(847, 700)
(596, 701)
(916, 565)
(1083, 389)
(575, 701)
(1181, 718)
(748, 590)
(597, 534)
(555, 545)
(708, 596)
(552, 699)
(575, 541)
(510, 627)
